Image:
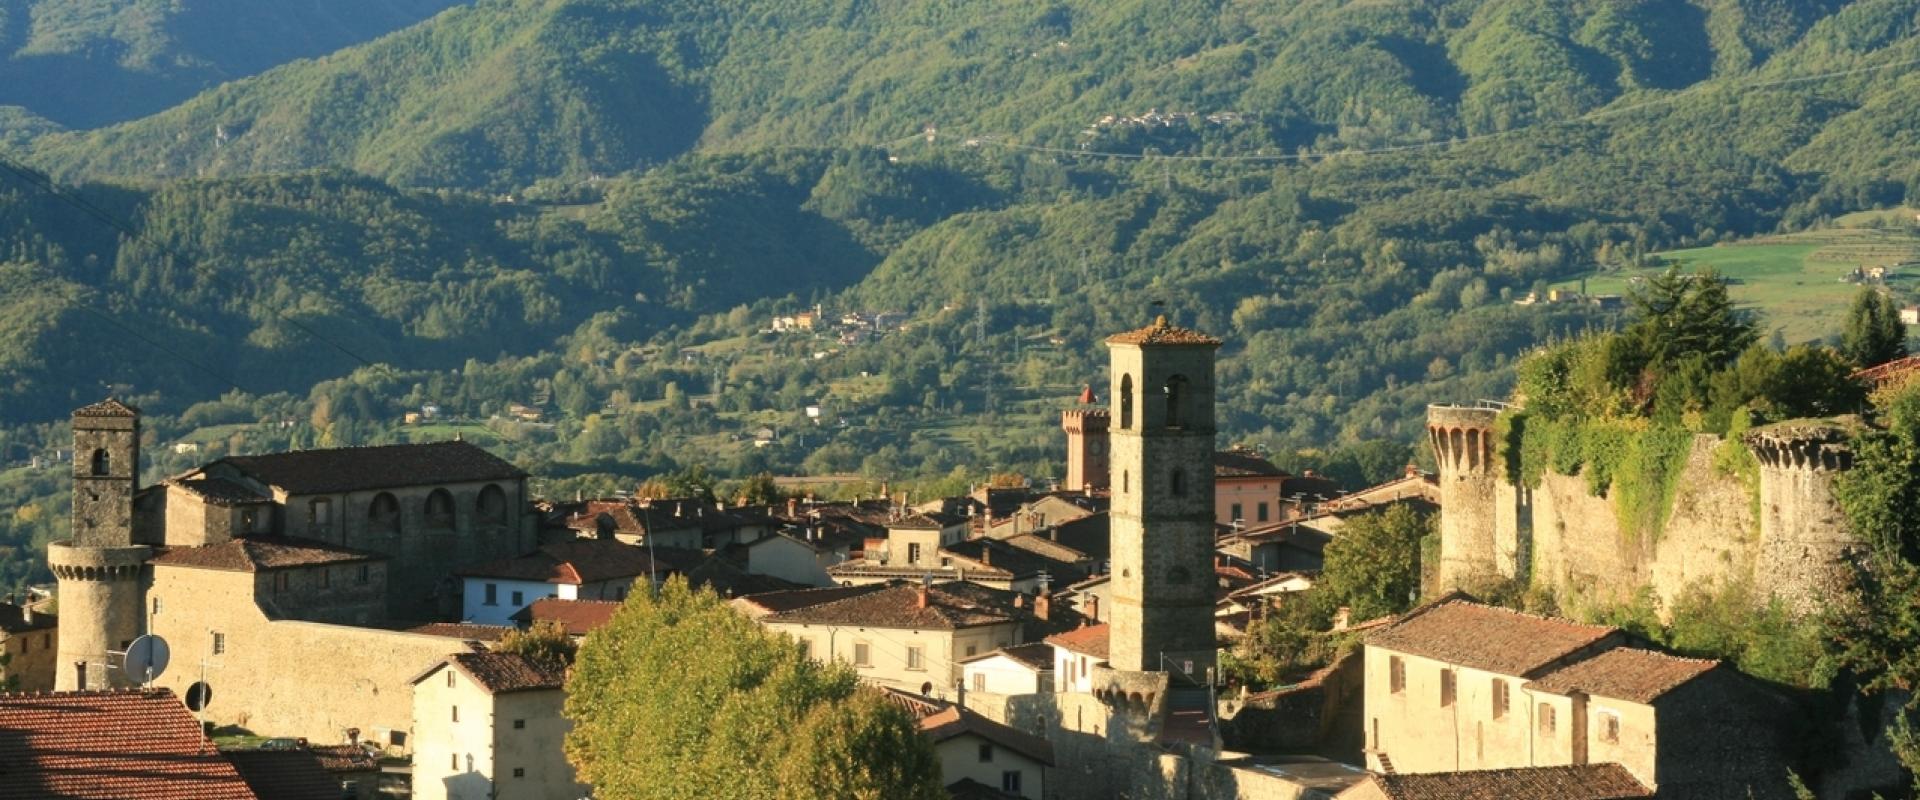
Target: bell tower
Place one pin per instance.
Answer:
(100, 569)
(1086, 429)
(1161, 476)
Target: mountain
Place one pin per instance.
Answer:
(504, 92)
(85, 63)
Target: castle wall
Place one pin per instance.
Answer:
(1462, 442)
(1806, 543)
(101, 609)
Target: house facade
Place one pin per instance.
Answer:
(488, 726)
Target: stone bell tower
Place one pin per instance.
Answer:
(1161, 476)
(100, 568)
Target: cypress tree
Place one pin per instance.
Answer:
(1874, 333)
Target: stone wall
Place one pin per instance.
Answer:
(1462, 442)
(100, 610)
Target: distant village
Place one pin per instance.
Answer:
(345, 608)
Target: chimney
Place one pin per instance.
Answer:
(1342, 618)
(1093, 607)
(921, 600)
(1042, 606)
(1019, 601)
(26, 613)
(1413, 470)
(793, 507)
(986, 555)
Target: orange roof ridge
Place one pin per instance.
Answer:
(1162, 332)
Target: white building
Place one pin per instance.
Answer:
(974, 748)
(588, 569)
(1076, 653)
(1020, 669)
(487, 726)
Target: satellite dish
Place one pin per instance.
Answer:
(147, 659)
(198, 696)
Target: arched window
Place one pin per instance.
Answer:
(1176, 390)
(440, 510)
(491, 506)
(101, 462)
(383, 514)
(1126, 402)
(1177, 483)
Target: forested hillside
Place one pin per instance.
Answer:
(568, 225)
(82, 63)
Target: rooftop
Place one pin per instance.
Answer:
(263, 553)
(500, 673)
(465, 631)
(1033, 655)
(13, 619)
(1088, 641)
(578, 617)
(1586, 782)
(285, 774)
(1162, 332)
(1239, 463)
(1625, 673)
(352, 469)
(111, 745)
(220, 491)
(584, 561)
(1459, 631)
(789, 600)
(948, 606)
(956, 721)
(107, 408)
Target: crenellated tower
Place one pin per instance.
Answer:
(1086, 447)
(1805, 541)
(1161, 476)
(100, 569)
(1463, 447)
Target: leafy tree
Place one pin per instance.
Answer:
(680, 696)
(1687, 314)
(1874, 333)
(544, 641)
(1373, 566)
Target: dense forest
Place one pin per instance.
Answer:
(566, 227)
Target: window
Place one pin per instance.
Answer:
(913, 552)
(219, 643)
(519, 772)
(1176, 391)
(366, 574)
(916, 657)
(1234, 513)
(519, 599)
(449, 679)
(1126, 402)
(862, 657)
(455, 762)
(1126, 481)
(1609, 727)
(979, 681)
(971, 649)
(1499, 698)
(1446, 687)
(1177, 483)
(1261, 511)
(1396, 675)
(326, 578)
(319, 511)
(490, 596)
(383, 514)
(1546, 720)
(519, 724)
(456, 713)
(156, 605)
(986, 753)
(1010, 781)
(440, 510)
(282, 581)
(491, 506)
(806, 648)
(101, 462)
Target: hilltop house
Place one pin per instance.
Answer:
(487, 726)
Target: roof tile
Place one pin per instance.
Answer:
(1485, 637)
(262, 553)
(1585, 782)
(112, 745)
(1163, 333)
(351, 469)
(1625, 673)
(1090, 640)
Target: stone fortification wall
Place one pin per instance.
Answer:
(1462, 441)
(100, 610)
(1808, 544)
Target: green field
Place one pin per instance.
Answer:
(1796, 282)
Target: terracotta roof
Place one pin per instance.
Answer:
(1163, 333)
(499, 673)
(220, 491)
(917, 706)
(776, 602)
(1586, 782)
(352, 469)
(116, 745)
(1087, 641)
(726, 579)
(1485, 637)
(262, 553)
(464, 631)
(13, 619)
(949, 606)
(970, 789)
(585, 561)
(345, 757)
(107, 408)
(1244, 464)
(1033, 655)
(1017, 562)
(578, 617)
(285, 774)
(956, 721)
(1625, 673)
(926, 521)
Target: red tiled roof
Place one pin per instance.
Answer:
(956, 721)
(220, 491)
(262, 553)
(349, 469)
(114, 745)
(463, 630)
(1625, 673)
(578, 617)
(1586, 782)
(917, 706)
(1089, 641)
(285, 774)
(1163, 333)
(1033, 655)
(1485, 637)
(585, 561)
(499, 673)
(776, 602)
(1244, 464)
(949, 606)
(345, 757)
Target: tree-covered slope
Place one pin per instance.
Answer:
(504, 92)
(84, 63)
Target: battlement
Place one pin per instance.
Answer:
(76, 563)
(1478, 415)
(1091, 420)
(1462, 436)
(1816, 447)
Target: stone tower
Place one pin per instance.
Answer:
(100, 569)
(1086, 429)
(1806, 545)
(1161, 474)
(1462, 439)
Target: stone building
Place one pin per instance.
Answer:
(905, 636)
(27, 637)
(1086, 430)
(488, 726)
(974, 748)
(1246, 488)
(1163, 499)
